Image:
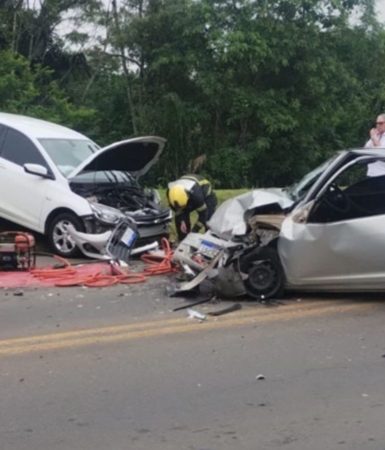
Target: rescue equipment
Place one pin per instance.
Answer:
(17, 251)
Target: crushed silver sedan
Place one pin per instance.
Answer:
(325, 233)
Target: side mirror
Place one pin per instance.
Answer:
(37, 169)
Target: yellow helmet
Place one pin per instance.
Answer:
(177, 197)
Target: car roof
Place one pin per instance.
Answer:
(37, 128)
(377, 151)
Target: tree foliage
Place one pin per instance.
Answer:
(264, 88)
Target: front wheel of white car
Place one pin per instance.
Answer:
(59, 239)
(265, 276)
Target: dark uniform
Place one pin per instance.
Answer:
(201, 198)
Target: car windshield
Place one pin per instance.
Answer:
(67, 154)
(298, 190)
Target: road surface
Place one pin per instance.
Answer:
(115, 368)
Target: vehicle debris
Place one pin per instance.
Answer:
(193, 314)
(117, 243)
(200, 302)
(229, 309)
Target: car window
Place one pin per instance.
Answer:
(67, 154)
(358, 191)
(21, 150)
(297, 191)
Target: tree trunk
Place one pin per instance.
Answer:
(125, 67)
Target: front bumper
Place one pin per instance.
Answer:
(150, 228)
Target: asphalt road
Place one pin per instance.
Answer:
(115, 368)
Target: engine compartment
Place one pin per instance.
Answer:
(118, 190)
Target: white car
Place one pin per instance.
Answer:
(52, 176)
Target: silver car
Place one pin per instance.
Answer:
(325, 233)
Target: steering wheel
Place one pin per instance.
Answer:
(336, 199)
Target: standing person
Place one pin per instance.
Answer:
(187, 194)
(377, 134)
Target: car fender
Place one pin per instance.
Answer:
(62, 198)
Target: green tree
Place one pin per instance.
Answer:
(24, 90)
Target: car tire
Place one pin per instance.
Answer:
(265, 276)
(59, 240)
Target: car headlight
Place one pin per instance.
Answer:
(106, 214)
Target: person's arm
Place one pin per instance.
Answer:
(182, 224)
(375, 139)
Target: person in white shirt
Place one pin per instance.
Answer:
(377, 140)
(377, 134)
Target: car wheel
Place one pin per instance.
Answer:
(265, 277)
(59, 240)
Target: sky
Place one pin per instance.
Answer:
(381, 10)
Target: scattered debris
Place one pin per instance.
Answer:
(193, 314)
(205, 300)
(229, 309)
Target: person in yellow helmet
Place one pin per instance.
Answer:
(187, 194)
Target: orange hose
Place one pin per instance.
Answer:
(68, 276)
(154, 267)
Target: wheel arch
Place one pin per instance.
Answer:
(269, 254)
(55, 213)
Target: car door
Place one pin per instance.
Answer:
(22, 194)
(341, 243)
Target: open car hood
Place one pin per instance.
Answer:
(230, 218)
(135, 155)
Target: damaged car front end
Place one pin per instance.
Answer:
(325, 233)
(109, 181)
(115, 195)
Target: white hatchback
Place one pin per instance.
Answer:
(52, 176)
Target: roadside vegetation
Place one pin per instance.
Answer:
(263, 89)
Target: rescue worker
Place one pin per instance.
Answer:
(191, 193)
